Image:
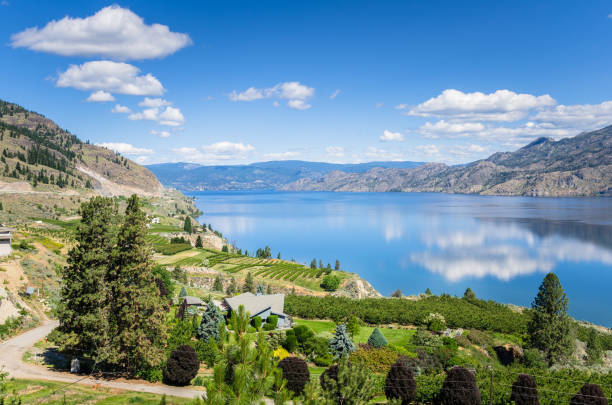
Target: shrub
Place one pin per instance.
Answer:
(589, 394)
(182, 366)
(256, 322)
(280, 353)
(376, 360)
(424, 338)
(377, 339)
(272, 320)
(400, 383)
(330, 283)
(295, 371)
(460, 388)
(478, 338)
(329, 376)
(275, 339)
(525, 391)
(207, 351)
(533, 358)
(149, 374)
(268, 327)
(290, 343)
(435, 322)
(303, 333)
(462, 341)
(341, 345)
(348, 384)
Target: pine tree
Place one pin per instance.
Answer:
(550, 326)
(269, 289)
(337, 266)
(469, 294)
(340, 344)
(209, 326)
(249, 285)
(377, 339)
(83, 307)
(313, 264)
(353, 327)
(261, 289)
(218, 285)
(137, 311)
(428, 291)
(183, 292)
(198, 243)
(593, 347)
(187, 226)
(232, 288)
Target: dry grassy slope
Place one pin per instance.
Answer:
(109, 173)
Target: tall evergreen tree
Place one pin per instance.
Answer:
(337, 266)
(198, 243)
(340, 344)
(187, 226)
(83, 307)
(137, 314)
(269, 289)
(232, 288)
(249, 285)
(209, 326)
(550, 326)
(261, 289)
(218, 284)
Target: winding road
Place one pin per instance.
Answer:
(12, 351)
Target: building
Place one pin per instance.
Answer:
(262, 305)
(6, 236)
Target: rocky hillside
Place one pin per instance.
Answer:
(37, 155)
(578, 166)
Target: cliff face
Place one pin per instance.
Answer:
(38, 154)
(578, 166)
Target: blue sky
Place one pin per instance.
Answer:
(341, 81)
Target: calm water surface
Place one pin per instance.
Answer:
(501, 247)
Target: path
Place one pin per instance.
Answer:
(12, 351)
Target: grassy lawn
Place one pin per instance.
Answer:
(49, 392)
(165, 228)
(400, 337)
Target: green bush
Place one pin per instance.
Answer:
(151, 374)
(290, 343)
(377, 360)
(462, 341)
(268, 327)
(377, 339)
(330, 283)
(272, 320)
(256, 322)
(533, 358)
(478, 338)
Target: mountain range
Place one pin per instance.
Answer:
(576, 166)
(257, 176)
(38, 155)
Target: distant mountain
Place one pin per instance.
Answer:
(37, 155)
(578, 166)
(255, 176)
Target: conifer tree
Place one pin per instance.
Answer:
(218, 285)
(187, 226)
(353, 327)
(469, 294)
(198, 243)
(83, 307)
(183, 292)
(269, 289)
(209, 326)
(261, 289)
(550, 326)
(138, 330)
(249, 285)
(340, 344)
(232, 287)
(377, 339)
(337, 266)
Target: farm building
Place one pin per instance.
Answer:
(262, 305)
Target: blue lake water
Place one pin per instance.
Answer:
(501, 247)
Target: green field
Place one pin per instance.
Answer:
(49, 392)
(399, 337)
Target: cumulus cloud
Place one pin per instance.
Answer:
(335, 151)
(113, 32)
(282, 155)
(121, 109)
(228, 150)
(100, 96)
(296, 93)
(429, 150)
(443, 128)
(112, 77)
(502, 105)
(161, 134)
(125, 148)
(373, 153)
(587, 115)
(170, 116)
(189, 154)
(389, 136)
(334, 94)
(154, 102)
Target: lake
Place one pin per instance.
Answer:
(501, 247)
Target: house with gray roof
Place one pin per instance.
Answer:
(6, 236)
(262, 305)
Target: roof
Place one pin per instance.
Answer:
(6, 230)
(192, 300)
(255, 304)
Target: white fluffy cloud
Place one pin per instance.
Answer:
(502, 105)
(121, 109)
(227, 150)
(588, 115)
(429, 150)
(443, 128)
(389, 136)
(113, 32)
(170, 116)
(296, 93)
(125, 148)
(154, 102)
(161, 134)
(282, 155)
(334, 94)
(100, 96)
(335, 151)
(112, 77)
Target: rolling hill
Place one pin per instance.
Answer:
(37, 155)
(577, 166)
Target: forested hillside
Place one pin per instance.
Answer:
(36, 154)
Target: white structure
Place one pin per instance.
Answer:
(155, 220)
(6, 236)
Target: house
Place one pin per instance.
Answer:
(262, 305)
(189, 301)
(6, 236)
(155, 220)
